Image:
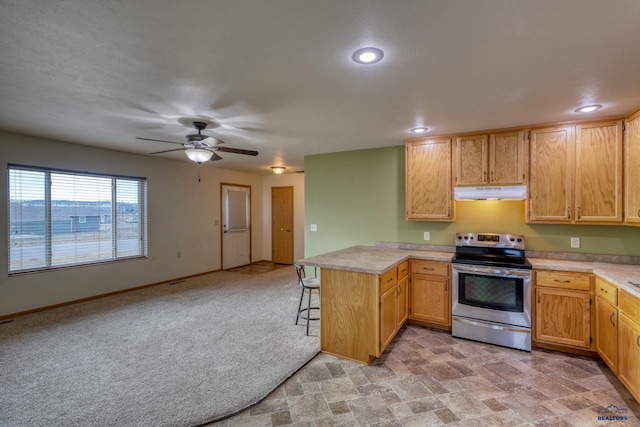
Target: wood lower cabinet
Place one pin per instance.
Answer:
(428, 181)
(607, 332)
(360, 313)
(632, 169)
(607, 322)
(430, 299)
(563, 309)
(629, 343)
(394, 304)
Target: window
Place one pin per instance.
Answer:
(61, 218)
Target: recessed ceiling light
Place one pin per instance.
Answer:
(588, 108)
(419, 129)
(367, 55)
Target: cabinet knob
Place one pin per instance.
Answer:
(638, 341)
(428, 268)
(568, 213)
(491, 176)
(579, 212)
(562, 281)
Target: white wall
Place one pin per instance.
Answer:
(181, 217)
(296, 180)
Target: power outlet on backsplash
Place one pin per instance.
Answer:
(575, 242)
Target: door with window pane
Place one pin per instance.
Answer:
(236, 226)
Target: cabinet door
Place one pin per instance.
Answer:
(598, 188)
(629, 354)
(563, 317)
(632, 169)
(429, 194)
(403, 301)
(551, 154)
(430, 300)
(388, 317)
(607, 332)
(507, 158)
(472, 158)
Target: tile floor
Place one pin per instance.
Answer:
(426, 377)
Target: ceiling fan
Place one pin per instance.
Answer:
(201, 148)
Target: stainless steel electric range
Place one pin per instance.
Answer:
(491, 298)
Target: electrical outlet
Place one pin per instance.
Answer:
(427, 235)
(179, 254)
(314, 227)
(575, 242)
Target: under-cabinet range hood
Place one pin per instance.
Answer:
(517, 192)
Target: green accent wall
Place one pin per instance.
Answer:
(357, 198)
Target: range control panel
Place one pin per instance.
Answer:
(490, 240)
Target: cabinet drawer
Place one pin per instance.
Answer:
(630, 305)
(564, 280)
(403, 269)
(434, 268)
(388, 280)
(607, 291)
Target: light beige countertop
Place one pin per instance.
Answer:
(370, 259)
(379, 259)
(622, 275)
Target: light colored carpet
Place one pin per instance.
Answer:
(169, 355)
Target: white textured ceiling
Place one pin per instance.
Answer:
(278, 77)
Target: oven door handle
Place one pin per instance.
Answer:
(492, 271)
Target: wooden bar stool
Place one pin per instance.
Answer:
(306, 285)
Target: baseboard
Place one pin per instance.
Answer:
(63, 304)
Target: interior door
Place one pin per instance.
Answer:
(236, 226)
(282, 225)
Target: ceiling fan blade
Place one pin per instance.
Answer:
(215, 157)
(158, 140)
(167, 151)
(236, 150)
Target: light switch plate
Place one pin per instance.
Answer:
(575, 242)
(427, 235)
(314, 227)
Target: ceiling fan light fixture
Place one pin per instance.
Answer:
(278, 170)
(198, 155)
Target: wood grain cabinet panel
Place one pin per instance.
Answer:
(575, 174)
(632, 169)
(507, 158)
(429, 192)
(472, 160)
(495, 159)
(598, 188)
(430, 299)
(563, 317)
(607, 332)
(551, 157)
(629, 354)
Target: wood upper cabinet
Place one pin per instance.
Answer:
(632, 169)
(576, 174)
(496, 159)
(551, 175)
(472, 160)
(429, 193)
(598, 187)
(563, 309)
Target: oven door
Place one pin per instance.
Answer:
(494, 294)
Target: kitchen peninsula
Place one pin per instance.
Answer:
(355, 320)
